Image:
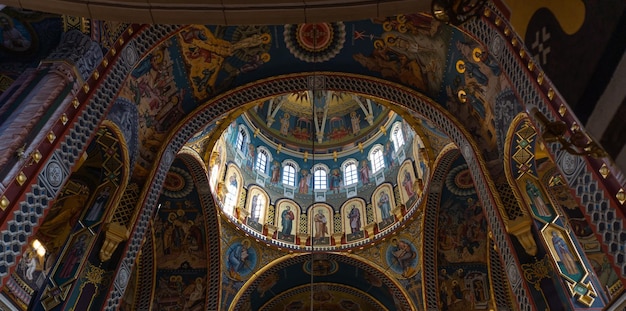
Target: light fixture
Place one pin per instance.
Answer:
(456, 12)
(577, 144)
(39, 248)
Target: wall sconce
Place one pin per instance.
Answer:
(577, 144)
(39, 248)
(456, 12)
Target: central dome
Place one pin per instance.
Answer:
(318, 121)
(319, 170)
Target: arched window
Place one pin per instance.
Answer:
(262, 160)
(377, 158)
(289, 174)
(232, 187)
(242, 138)
(320, 176)
(350, 172)
(397, 137)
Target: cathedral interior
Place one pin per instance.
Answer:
(321, 155)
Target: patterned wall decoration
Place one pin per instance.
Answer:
(126, 116)
(57, 254)
(530, 162)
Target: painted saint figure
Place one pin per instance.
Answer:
(564, 254)
(403, 254)
(320, 224)
(537, 200)
(73, 259)
(12, 38)
(98, 205)
(356, 122)
(335, 181)
(388, 155)
(383, 204)
(364, 172)
(355, 219)
(255, 208)
(287, 218)
(233, 181)
(31, 265)
(284, 125)
(275, 172)
(251, 156)
(408, 184)
(238, 258)
(305, 182)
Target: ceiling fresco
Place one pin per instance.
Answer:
(200, 62)
(251, 169)
(180, 235)
(227, 233)
(319, 121)
(462, 261)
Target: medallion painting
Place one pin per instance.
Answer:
(16, 37)
(401, 257)
(241, 259)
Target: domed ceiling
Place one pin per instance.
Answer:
(318, 121)
(321, 170)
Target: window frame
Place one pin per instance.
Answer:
(285, 174)
(350, 172)
(262, 151)
(320, 168)
(396, 131)
(378, 162)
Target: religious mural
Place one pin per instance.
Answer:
(462, 260)
(241, 259)
(354, 208)
(200, 62)
(207, 60)
(401, 257)
(178, 290)
(180, 243)
(321, 218)
(179, 224)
